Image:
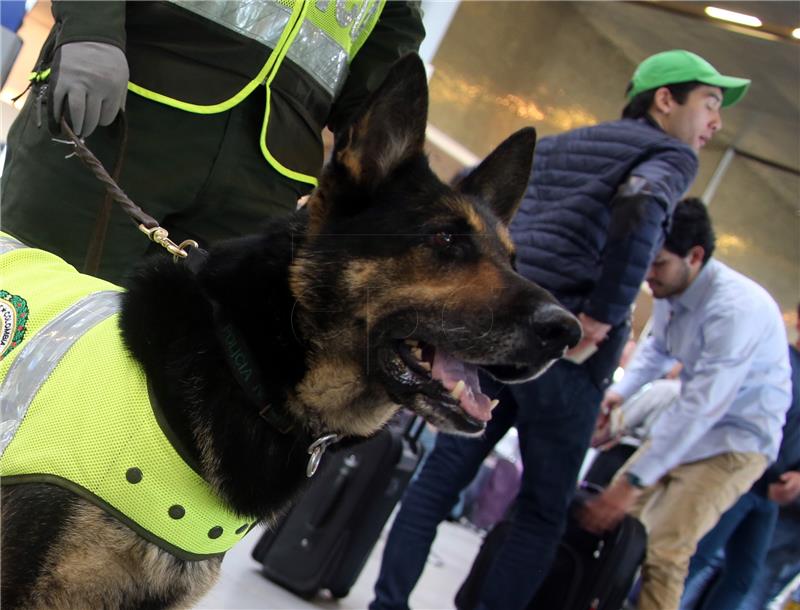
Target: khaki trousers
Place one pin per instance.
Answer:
(679, 510)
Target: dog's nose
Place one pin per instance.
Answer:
(556, 328)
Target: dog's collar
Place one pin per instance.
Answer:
(246, 373)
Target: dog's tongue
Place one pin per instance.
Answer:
(449, 371)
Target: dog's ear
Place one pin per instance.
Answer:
(501, 178)
(390, 127)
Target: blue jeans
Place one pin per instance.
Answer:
(744, 532)
(554, 416)
(781, 565)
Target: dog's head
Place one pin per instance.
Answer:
(405, 286)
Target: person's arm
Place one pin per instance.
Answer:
(593, 332)
(81, 21)
(636, 415)
(650, 361)
(729, 344)
(398, 32)
(640, 213)
(605, 511)
(786, 489)
(88, 70)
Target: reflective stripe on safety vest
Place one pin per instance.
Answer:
(323, 52)
(322, 37)
(8, 243)
(76, 412)
(42, 353)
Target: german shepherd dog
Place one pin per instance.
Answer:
(388, 289)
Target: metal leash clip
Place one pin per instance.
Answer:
(146, 223)
(160, 236)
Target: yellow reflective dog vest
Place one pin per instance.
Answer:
(75, 409)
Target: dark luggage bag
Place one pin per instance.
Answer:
(325, 539)
(588, 573)
(606, 464)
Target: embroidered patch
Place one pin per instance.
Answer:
(13, 321)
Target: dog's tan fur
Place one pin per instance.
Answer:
(105, 562)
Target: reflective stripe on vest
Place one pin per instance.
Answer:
(321, 37)
(75, 412)
(42, 353)
(330, 33)
(8, 243)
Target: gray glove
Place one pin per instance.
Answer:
(93, 79)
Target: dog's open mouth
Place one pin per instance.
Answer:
(442, 377)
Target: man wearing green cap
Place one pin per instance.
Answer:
(678, 66)
(683, 93)
(592, 219)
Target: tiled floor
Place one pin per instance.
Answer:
(242, 587)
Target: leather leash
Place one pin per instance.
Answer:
(146, 223)
(97, 242)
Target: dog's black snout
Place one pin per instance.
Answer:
(556, 329)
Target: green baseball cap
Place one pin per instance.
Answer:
(679, 66)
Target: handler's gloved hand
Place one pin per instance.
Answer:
(89, 81)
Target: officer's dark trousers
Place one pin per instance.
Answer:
(201, 176)
(554, 416)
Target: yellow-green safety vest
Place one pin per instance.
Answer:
(320, 36)
(75, 409)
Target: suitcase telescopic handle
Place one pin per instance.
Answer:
(337, 490)
(413, 429)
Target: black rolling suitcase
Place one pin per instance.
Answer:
(589, 572)
(325, 539)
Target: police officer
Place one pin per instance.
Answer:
(227, 104)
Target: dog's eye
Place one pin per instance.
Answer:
(451, 246)
(442, 239)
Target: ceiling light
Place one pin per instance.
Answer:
(796, 32)
(740, 18)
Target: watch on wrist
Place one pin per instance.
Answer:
(635, 480)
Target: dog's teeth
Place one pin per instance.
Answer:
(416, 352)
(457, 391)
(425, 365)
(412, 342)
(494, 403)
